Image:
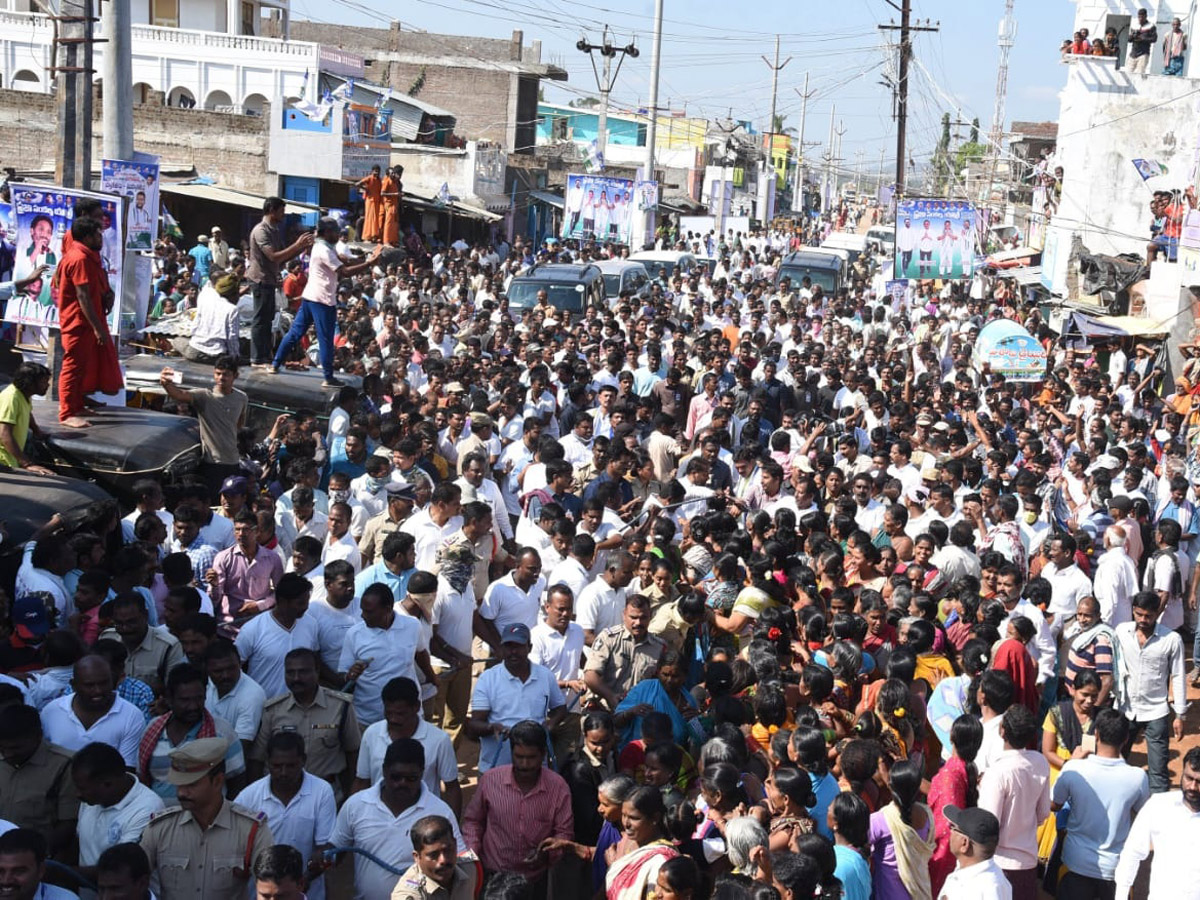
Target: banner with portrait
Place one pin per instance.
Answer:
(598, 209)
(41, 215)
(138, 181)
(936, 239)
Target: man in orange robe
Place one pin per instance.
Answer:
(371, 187)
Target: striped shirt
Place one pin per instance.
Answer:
(504, 825)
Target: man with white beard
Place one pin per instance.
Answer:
(1116, 578)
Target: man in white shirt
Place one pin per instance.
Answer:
(1016, 790)
(232, 694)
(601, 605)
(557, 644)
(513, 599)
(974, 834)
(573, 571)
(379, 819)
(114, 806)
(1152, 662)
(318, 304)
(436, 522)
(1116, 579)
(299, 807)
(1168, 826)
(1067, 581)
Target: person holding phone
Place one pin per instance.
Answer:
(318, 302)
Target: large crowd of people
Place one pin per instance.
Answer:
(735, 588)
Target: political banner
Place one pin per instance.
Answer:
(936, 239)
(42, 214)
(597, 209)
(898, 290)
(138, 181)
(8, 242)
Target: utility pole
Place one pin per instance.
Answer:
(837, 156)
(1008, 37)
(117, 80)
(798, 188)
(655, 63)
(905, 28)
(825, 195)
(879, 177)
(604, 83)
(766, 192)
(72, 72)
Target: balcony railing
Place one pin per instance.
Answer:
(219, 40)
(183, 37)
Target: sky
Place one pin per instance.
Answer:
(712, 61)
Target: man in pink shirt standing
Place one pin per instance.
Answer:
(1016, 789)
(318, 302)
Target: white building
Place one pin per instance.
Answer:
(203, 53)
(1108, 118)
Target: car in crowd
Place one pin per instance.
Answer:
(663, 265)
(825, 268)
(571, 287)
(623, 276)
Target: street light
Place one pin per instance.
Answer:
(608, 52)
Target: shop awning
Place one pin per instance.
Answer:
(455, 207)
(546, 197)
(216, 194)
(1008, 259)
(1025, 276)
(1114, 326)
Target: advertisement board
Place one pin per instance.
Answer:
(596, 208)
(936, 239)
(42, 215)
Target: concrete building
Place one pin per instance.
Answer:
(209, 54)
(1108, 118)
(491, 86)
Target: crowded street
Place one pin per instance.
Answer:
(422, 478)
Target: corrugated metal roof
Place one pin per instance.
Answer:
(235, 198)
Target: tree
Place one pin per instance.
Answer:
(969, 152)
(975, 130)
(584, 103)
(777, 125)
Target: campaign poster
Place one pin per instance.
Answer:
(42, 215)
(8, 242)
(138, 181)
(936, 239)
(598, 209)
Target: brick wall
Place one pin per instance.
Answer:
(231, 148)
(478, 98)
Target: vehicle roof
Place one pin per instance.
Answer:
(660, 255)
(845, 239)
(810, 257)
(559, 272)
(614, 266)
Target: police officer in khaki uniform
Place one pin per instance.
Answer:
(400, 500)
(153, 651)
(324, 718)
(205, 848)
(438, 872)
(36, 788)
(624, 654)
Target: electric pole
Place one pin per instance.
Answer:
(837, 157)
(798, 188)
(655, 62)
(766, 192)
(825, 196)
(72, 72)
(605, 83)
(905, 28)
(1008, 37)
(879, 177)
